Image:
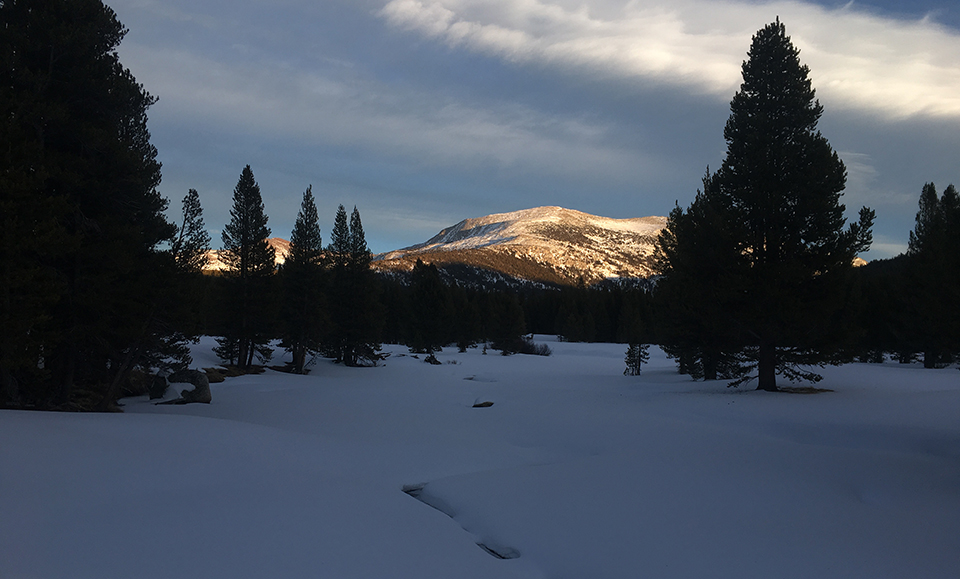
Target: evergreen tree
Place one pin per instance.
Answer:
(78, 183)
(355, 312)
(698, 259)
(637, 356)
(303, 312)
(886, 310)
(934, 266)
(180, 310)
(192, 242)
(466, 318)
(246, 252)
(306, 243)
(506, 323)
(184, 308)
(250, 262)
(778, 190)
(431, 310)
(360, 255)
(339, 248)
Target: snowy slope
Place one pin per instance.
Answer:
(580, 470)
(545, 244)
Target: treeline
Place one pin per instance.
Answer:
(910, 305)
(427, 311)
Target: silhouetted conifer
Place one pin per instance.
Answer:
(933, 267)
(777, 194)
(355, 312)
(81, 219)
(250, 264)
(637, 356)
(192, 242)
(304, 320)
(431, 316)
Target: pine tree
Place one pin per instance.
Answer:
(506, 323)
(303, 312)
(192, 242)
(779, 189)
(699, 264)
(246, 251)
(431, 307)
(250, 262)
(79, 184)
(934, 266)
(355, 311)
(781, 183)
(339, 248)
(466, 318)
(306, 243)
(360, 255)
(637, 355)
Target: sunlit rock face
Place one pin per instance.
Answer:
(281, 249)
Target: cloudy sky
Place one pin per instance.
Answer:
(425, 112)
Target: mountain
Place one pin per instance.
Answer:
(549, 245)
(281, 248)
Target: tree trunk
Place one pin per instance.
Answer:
(299, 358)
(767, 367)
(251, 349)
(710, 358)
(243, 351)
(683, 366)
(113, 391)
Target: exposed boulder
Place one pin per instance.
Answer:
(201, 387)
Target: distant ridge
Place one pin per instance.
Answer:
(549, 245)
(281, 248)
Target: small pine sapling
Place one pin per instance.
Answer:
(637, 355)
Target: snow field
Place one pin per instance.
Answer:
(581, 471)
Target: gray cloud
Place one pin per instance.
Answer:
(860, 60)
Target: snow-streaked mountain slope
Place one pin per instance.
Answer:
(281, 248)
(550, 244)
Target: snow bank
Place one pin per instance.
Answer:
(579, 470)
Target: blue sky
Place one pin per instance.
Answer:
(425, 112)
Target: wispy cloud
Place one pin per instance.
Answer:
(895, 69)
(431, 129)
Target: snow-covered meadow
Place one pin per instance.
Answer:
(574, 471)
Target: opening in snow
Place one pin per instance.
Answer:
(490, 547)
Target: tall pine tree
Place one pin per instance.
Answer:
(250, 262)
(933, 265)
(192, 242)
(779, 193)
(355, 311)
(432, 310)
(78, 194)
(303, 311)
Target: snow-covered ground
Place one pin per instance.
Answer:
(579, 470)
